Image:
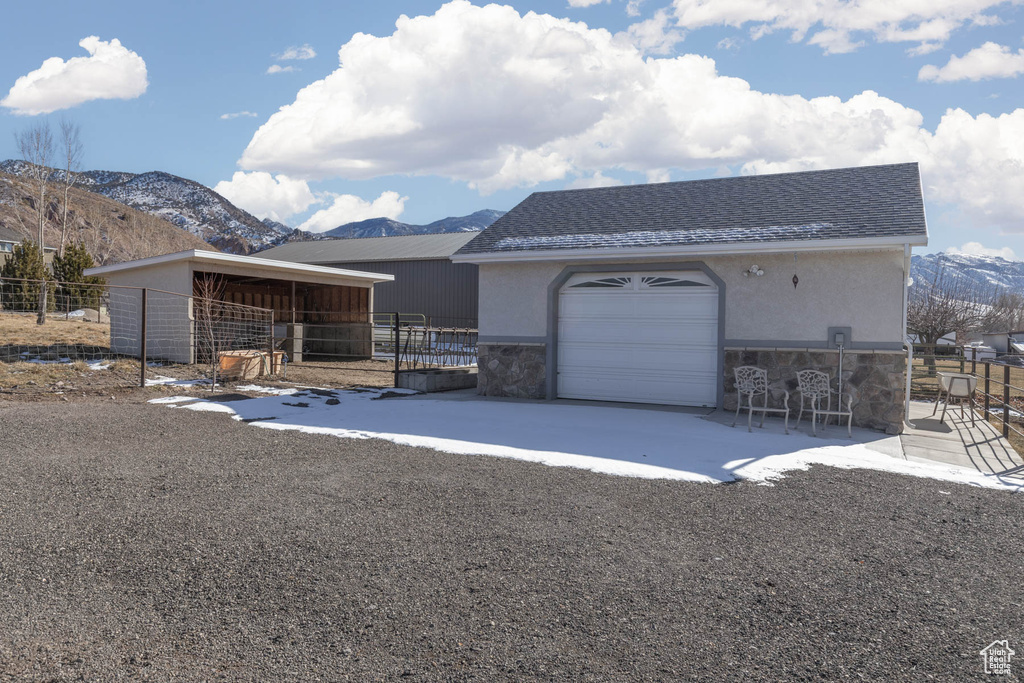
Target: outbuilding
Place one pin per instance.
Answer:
(654, 293)
(426, 282)
(307, 302)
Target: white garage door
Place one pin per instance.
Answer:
(644, 337)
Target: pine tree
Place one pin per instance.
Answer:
(21, 276)
(79, 290)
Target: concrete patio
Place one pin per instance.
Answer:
(955, 441)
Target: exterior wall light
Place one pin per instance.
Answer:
(753, 270)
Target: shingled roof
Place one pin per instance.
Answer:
(839, 204)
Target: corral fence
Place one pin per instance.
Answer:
(999, 397)
(91, 322)
(389, 342)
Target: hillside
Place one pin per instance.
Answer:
(185, 203)
(386, 227)
(985, 272)
(110, 231)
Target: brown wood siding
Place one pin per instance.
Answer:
(320, 303)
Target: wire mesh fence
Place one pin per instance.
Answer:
(93, 322)
(372, 348)
(80, 321)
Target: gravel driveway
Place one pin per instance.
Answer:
(139, 542)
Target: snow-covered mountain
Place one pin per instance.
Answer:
(986, 272)
(386, 227)
(183, 202)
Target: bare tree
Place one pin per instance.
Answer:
(942, 303)
(35, 144)
(207, 291)
(71, 149)
(1006, 313)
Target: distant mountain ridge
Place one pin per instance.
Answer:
(985, 272)
(387, 227)
(185, 203)
(110, 231)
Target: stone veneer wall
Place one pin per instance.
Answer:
(874, 379)
(513, 370)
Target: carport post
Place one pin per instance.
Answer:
(142, 341)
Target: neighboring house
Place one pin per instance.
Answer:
(309, 302)
(426, 281)
(1004, 342)
(654, 293)
(9, 239)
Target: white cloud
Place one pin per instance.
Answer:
(278, 69)
(498, 100)
(633, 8)
(347, 208)
(265, 196)
(834, 23)
(586, 3)
(991, 60)
(297, 52)
(110, 72)
(238, 114)
(976, 249)
(596, 180)
(655, 36)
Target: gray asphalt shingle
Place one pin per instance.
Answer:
(845, 203)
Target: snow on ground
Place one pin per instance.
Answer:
(65, 360)
(171, 382)
(39, 361)
(614, 440)
(255, 388)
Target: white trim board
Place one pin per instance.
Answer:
(281, 268)
(685, 251)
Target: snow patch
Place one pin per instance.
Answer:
(606, 439)
(160, 380)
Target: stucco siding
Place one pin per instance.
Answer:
(863, 291)
(514, 298)
(860, 290)
(170, 277)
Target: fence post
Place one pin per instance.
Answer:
(1006, 401)
(142, 341)
(974, 360)
(270, 358)
(398, 357)
(988, 368)
(963, 360)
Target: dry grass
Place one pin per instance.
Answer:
(39, 374)
(20, 329)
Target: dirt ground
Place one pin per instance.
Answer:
(53, 381)
(142, 542)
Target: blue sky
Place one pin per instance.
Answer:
(458, 106)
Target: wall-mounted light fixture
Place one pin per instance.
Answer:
(753, 270)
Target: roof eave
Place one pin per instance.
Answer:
(691, 250)
(202, 256)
